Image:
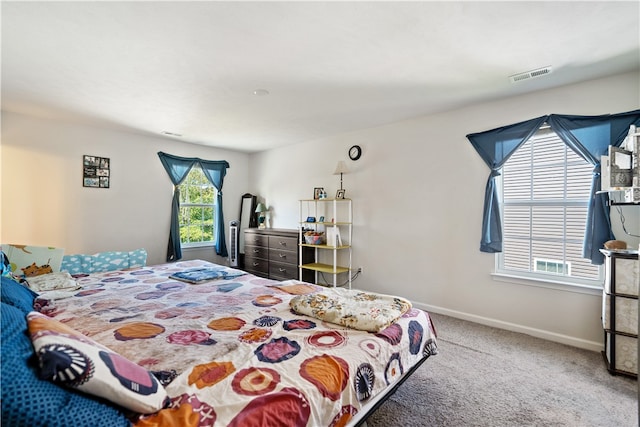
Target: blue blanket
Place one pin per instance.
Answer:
(205, 274)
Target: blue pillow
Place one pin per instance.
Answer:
(29, 401)
(137, 258)
(17, 295)
(103, 261)
(77, 264)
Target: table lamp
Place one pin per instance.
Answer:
(260, 210)
(340, 169)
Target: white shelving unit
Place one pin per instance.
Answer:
(620, 311)
(331, 217)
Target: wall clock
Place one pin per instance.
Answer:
(355, 152)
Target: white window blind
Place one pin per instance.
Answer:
(545, 193)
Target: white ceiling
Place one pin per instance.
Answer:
(330, 67)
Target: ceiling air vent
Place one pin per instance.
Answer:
(178, 135)
(530, 74)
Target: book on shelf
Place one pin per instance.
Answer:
(334, 239)
(331, 236)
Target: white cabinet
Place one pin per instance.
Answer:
(333, 219)
(620, 312)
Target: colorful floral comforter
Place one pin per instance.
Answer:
(233, 352)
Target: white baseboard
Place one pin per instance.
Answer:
(538, 333)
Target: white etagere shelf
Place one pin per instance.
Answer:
(331, 259)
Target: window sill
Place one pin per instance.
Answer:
(198, 246)
(548, 284)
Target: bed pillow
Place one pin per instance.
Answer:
(110, 261)
(137, 258)
(17, 295)
(77, 264)
(103, 261)
(28, 260)
(29, 401)
(69, 358)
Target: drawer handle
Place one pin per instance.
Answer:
(283, 243)
(255, 251)
(282, 255)
(255, 264)
(282, 270)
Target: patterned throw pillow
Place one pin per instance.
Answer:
(70, 358)
(103, 261)
(29, 261)
(29, 401)
(137, 258)
(77, 264)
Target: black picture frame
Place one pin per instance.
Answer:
(316, 192)
(96, 171)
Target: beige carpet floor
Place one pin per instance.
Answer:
(485, 376)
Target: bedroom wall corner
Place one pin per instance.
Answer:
(44, 202)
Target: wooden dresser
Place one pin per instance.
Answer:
(273, 253)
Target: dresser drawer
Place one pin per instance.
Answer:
(282, 271)
(626, 320)
(283, 243)
(256, 252)
(273, 253)
(626, 275)
(257, 266)
(256, 239)
(286, 257)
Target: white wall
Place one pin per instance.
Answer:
(418, 192)
(418, 197)
(44, 202)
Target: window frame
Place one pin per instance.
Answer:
(182, 186)
(549, 280)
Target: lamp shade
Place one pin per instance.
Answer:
(341, 167)
(261, 208)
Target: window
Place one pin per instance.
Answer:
(545, 194)
(551, 266)
(197, 207)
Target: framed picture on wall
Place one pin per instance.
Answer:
(96, 171)
(317, 192)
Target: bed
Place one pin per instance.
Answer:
(231, 351)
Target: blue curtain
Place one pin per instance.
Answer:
(590, 137)
(215, 172)
(495, 147)
(178, 168)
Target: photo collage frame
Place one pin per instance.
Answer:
(96, 171)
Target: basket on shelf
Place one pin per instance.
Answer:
(314, 239)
